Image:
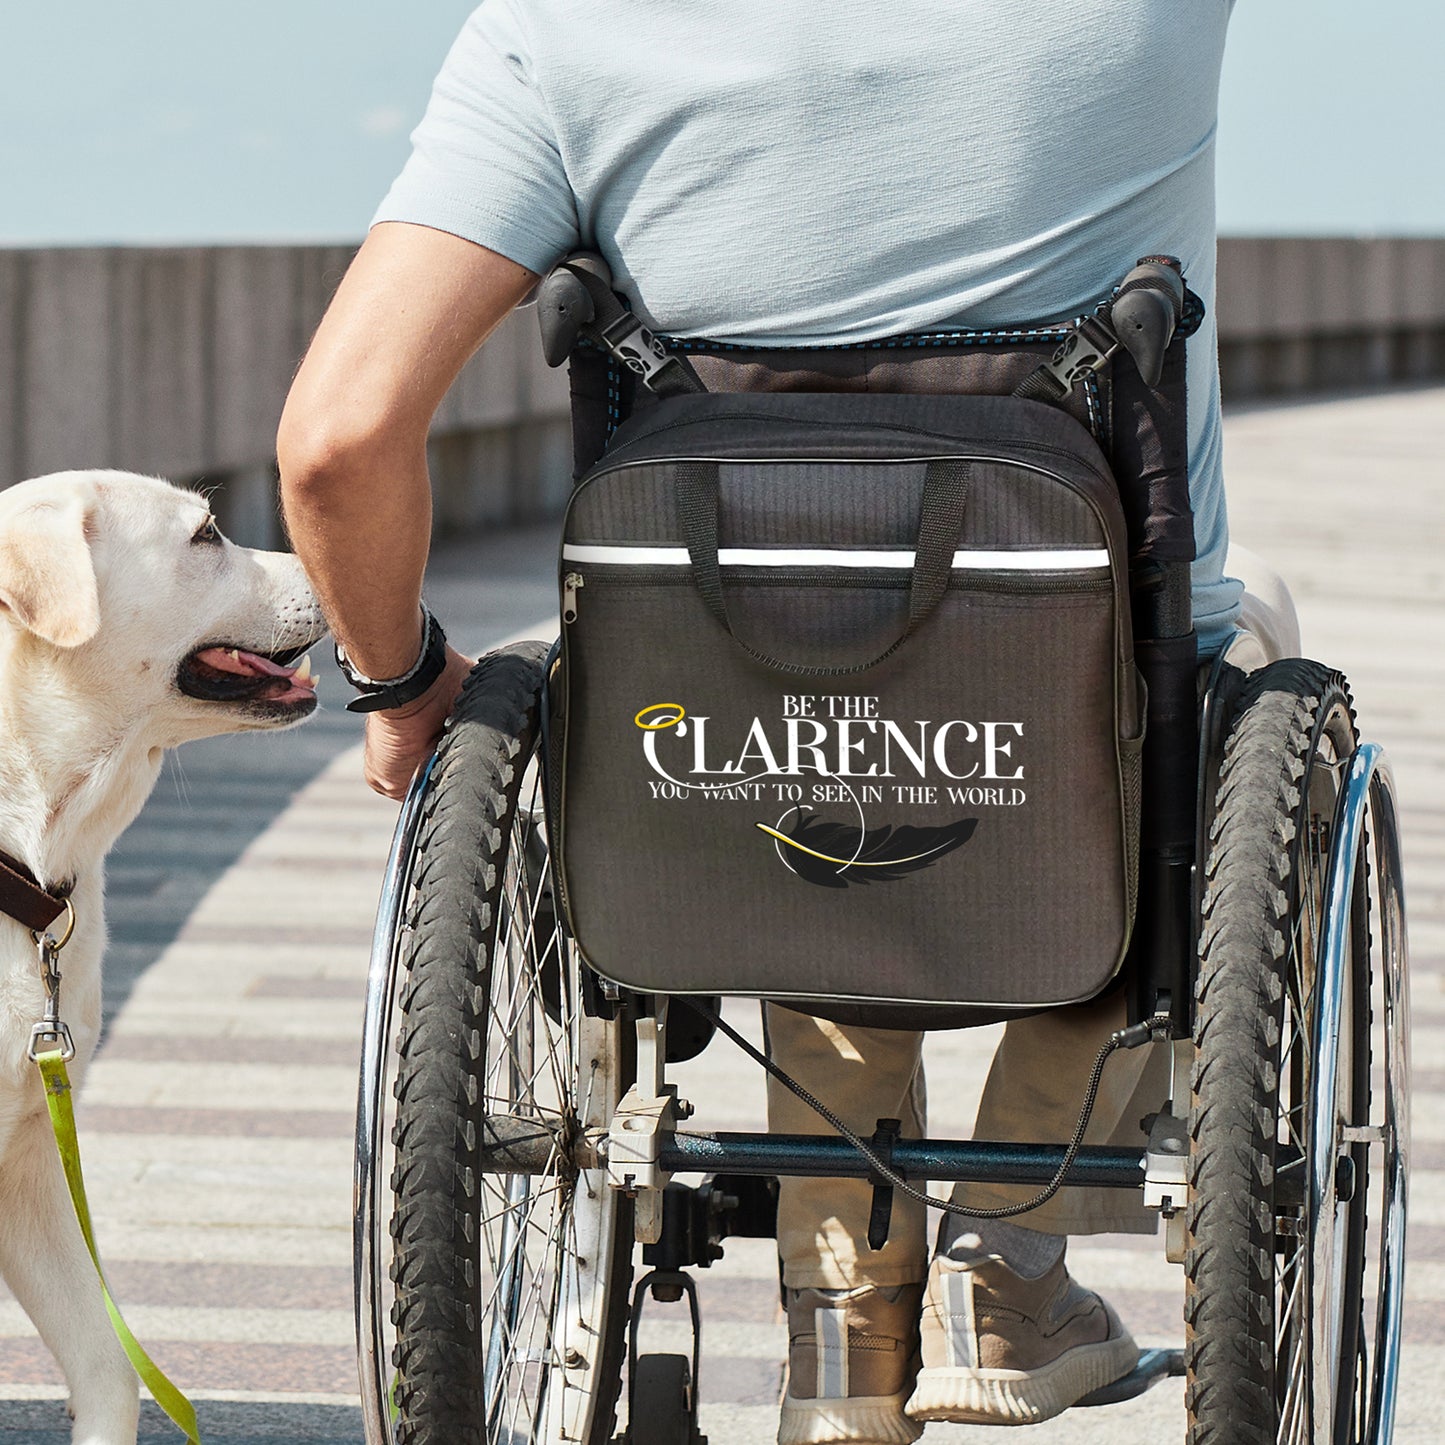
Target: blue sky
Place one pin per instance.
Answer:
(182, 120)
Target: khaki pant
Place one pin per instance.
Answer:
(1032, 1093)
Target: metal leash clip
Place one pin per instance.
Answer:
(52, 1032)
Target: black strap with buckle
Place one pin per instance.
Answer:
(379, 695)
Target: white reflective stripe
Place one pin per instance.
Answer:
(1055, 559)
(960, 1327)
(831, 1329)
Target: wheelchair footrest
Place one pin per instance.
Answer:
(1153, 1366)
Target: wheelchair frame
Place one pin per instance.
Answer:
(1266, 976)
(635, 1151)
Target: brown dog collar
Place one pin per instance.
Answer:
(22, 897)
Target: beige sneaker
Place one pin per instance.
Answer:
(851, 1358)
(1002, 1350)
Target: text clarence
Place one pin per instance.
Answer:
(840, 747)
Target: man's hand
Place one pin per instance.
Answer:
(400, 739)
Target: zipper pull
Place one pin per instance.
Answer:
(570, 583)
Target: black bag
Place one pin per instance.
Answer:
(847, 710)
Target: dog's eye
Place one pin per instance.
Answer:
(209, 533)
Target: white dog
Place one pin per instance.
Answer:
(128, 625)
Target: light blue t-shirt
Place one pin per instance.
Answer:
(770, 171)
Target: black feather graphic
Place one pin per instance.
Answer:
(830, 855)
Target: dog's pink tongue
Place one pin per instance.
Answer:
(247, 664)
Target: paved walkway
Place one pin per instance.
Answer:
(217, 1119)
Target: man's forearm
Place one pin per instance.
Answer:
(352, 446)
(361, 523)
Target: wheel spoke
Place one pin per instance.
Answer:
(536, 1045)
(1294, 1412)
(1285, 1318)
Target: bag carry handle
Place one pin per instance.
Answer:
(940, 525)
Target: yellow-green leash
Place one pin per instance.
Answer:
(51, 1047)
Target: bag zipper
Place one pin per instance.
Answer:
(619, 460)
(1071, 484)
(1029, 584)
(570, 585)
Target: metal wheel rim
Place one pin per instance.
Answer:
(1316, 1051)
(371, 1185)
(1371, 777)
(1335, 1385)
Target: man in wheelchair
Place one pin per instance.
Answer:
(779, 179)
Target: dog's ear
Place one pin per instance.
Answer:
(47, 576)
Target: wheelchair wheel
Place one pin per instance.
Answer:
(1282, 1295)
(496, 1311)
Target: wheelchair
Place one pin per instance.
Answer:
(517, 1136)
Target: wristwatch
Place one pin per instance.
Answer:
(380, 694)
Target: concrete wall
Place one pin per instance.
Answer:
(176, 361)
(1323, 314)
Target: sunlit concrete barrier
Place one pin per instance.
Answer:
(1317, 314)
(176, 361)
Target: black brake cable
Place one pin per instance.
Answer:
(1127, 1038)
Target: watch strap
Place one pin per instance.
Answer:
(383, 694)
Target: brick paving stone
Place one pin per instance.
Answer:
(262, 1286)
(264, 1370)
(280, 985)
(220, 1123)
(43, 1422)
(231, 1049)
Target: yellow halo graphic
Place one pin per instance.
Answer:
(679, 712)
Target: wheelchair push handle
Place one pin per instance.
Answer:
(576, 303)
(565, 304)
(1146, 313)
(1142, 317)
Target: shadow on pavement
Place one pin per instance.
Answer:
(44, 1422)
